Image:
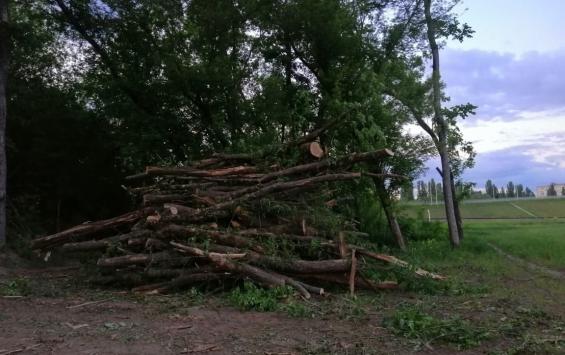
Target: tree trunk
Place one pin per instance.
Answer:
(458, 217)
(3, 83)
(390, 215)
(442, 129)
(449, 200)
(395, 227)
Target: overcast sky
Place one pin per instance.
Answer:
(514, 70)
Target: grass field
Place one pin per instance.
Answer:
(543, 208)
(538, 241)
(541, 242)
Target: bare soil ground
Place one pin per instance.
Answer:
(56, 318)
(53, 324)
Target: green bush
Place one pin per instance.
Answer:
(251, 297)
(419, 229)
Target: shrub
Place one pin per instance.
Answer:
(251, 297)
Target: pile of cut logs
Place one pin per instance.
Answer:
(228, 218)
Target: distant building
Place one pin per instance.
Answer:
(541, 191)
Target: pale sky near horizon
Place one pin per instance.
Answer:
(514, 70)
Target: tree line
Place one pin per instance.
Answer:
(511, 191)
(431, 191)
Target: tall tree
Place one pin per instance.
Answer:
(422, 191)
(433, 191)
(4, 39)
(551, 190)
(439, 191)
(441, 127)
(510, 189)
(489, 188)
(407, 191)
(520, 190)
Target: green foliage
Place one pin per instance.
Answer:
(252, 297)
(372, 219)
(408, 280)
(101, 91)
(418, 229)
(412, 322)
(16, 287)
(297, 309)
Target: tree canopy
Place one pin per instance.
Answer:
(100, 89)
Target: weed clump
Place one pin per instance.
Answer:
(16, 287)
(413, 323)
(252, 297)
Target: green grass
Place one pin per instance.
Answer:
(476, 264)
(545, 208)
(538, 241)
(412, 322)
(542, 242)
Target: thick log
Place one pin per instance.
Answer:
(90, 245)
(175, 209)
(135, 259)
(135, 177)
(157, 199)
(352, 273)
(341, 162)
(89, 230)
(218, 158)
(141, 276)
(170, 273)
(239, 180)
(343, 279)
(186, 171)
(282, 186)
(200, 252)
(313, 149)
(395, 261)
(164, 257)
(153, 244)
(234, 240)
(180, 282)
(266, 278)
(209, 214)
(301, 266)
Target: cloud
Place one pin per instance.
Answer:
(544, 128)
(519, 130)
(514, 164)
(504, 85)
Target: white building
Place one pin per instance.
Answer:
(541, 191)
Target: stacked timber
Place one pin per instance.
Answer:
(232, 217)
